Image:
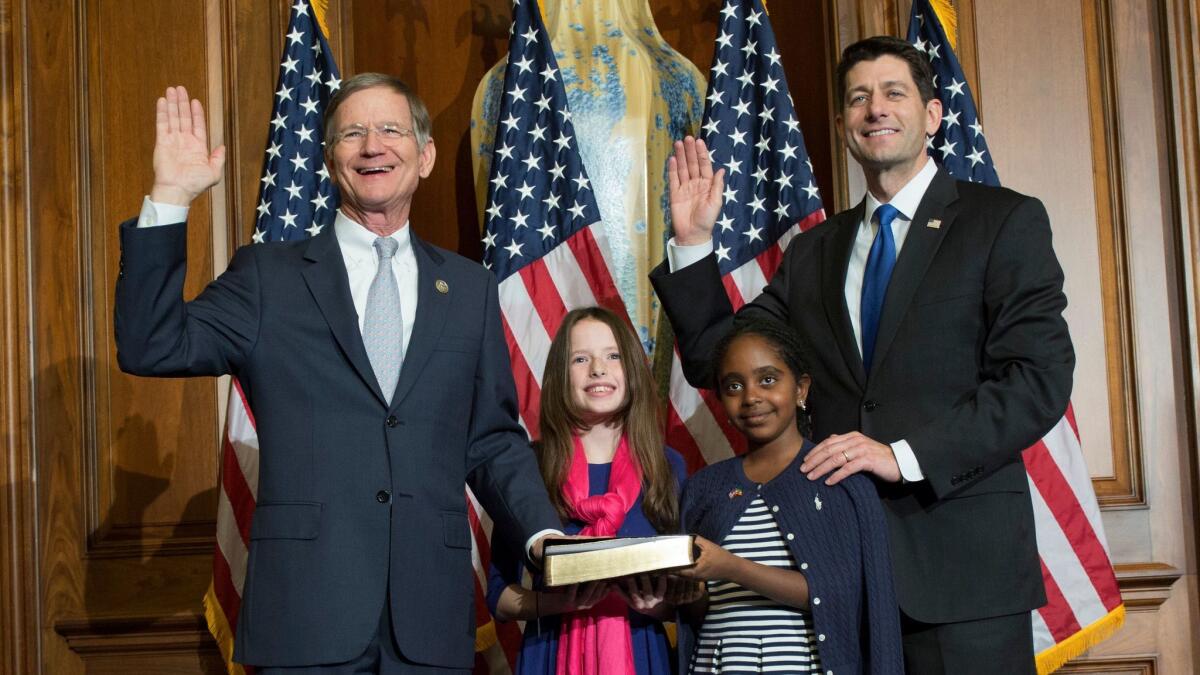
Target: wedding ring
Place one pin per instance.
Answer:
(846, 457)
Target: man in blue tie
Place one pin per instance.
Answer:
(933, 309)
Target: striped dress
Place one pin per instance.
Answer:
(747, 632)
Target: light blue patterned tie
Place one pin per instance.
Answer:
(880, 262)
(383, 327)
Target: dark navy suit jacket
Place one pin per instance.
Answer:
(973, 363)
(359, 502)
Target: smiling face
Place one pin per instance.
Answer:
(377, 176)
(759, 392)
(883, 120)
(597, 375)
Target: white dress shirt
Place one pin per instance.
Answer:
(362, 261)
(358, 251)
(906, 202)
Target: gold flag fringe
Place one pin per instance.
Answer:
(947, 16)
(219, 627)
(321, 9)
(1101, 629)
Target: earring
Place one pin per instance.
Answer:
(803, 406)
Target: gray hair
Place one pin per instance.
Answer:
(422, 126)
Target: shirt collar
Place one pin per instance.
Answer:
(909, 197)
(358, 243)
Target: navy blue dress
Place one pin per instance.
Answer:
(539, 649)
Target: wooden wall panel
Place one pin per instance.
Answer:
(126, 466)
(19, 598)
(151, 460)
(1179, 24)
(1124, 485)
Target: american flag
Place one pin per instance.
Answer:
(959, 145)
(1083, 601)
(538, 238)
(296, 200)
(751, 130)
(538, 241)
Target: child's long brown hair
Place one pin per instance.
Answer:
(640, 418)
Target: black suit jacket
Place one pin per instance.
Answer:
(359, 502)
(973, 363)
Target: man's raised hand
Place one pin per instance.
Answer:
(695, 192)
(183, 166)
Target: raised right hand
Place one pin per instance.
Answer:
(695, 192)
(183, 166)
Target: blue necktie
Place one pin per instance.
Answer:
(880, 262)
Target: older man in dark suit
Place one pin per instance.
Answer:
(377, 371)
(933, 309)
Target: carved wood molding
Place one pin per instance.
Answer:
(20, 613)
(1126, 486)
(1122, 665)
(1145, 586)
(123, 635)
(1179, 24)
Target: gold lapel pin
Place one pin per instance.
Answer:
(934, 224)
(441, 286)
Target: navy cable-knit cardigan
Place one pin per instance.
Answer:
(840, 544)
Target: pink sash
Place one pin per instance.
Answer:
(596, 641)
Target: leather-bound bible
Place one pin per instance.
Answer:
(569, 561)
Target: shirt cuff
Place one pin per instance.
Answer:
(679, 257)
(533, 540)
(154, 214)
(910, 468)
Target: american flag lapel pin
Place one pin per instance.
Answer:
(934, 224)
(735, 493)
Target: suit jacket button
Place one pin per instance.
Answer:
(870, 405)
(383, 496)
(391, 421)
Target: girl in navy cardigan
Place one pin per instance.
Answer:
(799, 579)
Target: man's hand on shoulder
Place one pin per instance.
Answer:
(183, 166)
(841, 455)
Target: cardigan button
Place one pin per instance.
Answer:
(816, 601)
(791, 536)
(775, 509)
(821, 637)
(803, 566)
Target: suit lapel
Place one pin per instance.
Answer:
(835, 258)
(920, 246)
(433, 305)
(327, 281)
